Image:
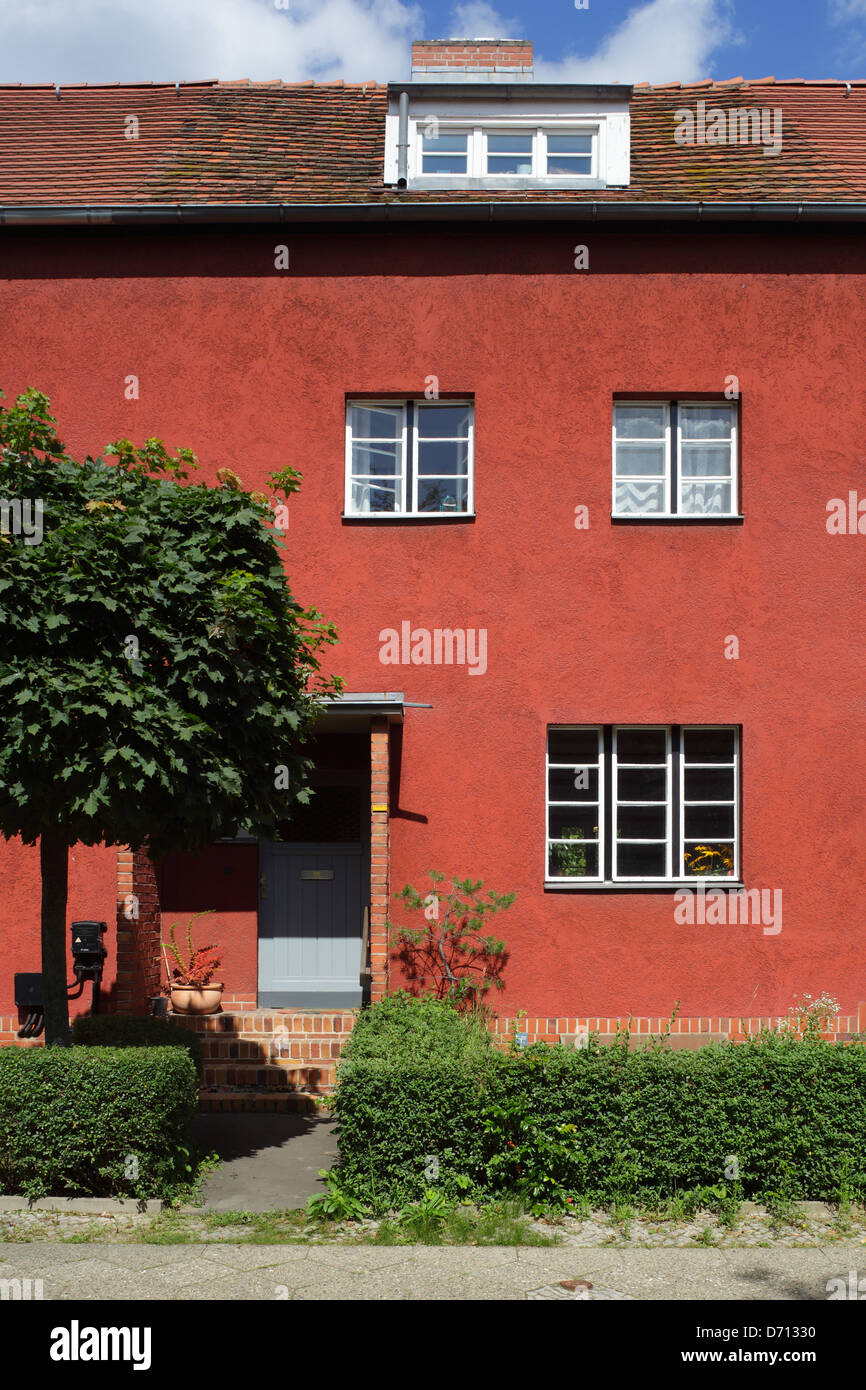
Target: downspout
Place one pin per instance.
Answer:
(403, 140)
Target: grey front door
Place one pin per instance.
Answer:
(311, 903)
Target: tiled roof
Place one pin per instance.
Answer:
(225, 142)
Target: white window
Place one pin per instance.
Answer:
(638, 804)
(709, 778)
(444, 152)
(509, 152)
(503, 140)
(575, 803)
(502, 151)
(674, 458)
(409, 458)
(570, 154)
(641, 766)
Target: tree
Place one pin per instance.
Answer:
(452, 950)
(157, 678)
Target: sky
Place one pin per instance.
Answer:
(65, 41)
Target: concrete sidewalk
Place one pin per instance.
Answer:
(406, 1273)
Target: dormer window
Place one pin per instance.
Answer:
(568, 154)
(545, 137)
(509, 153)
(444, 154)
(500, 151)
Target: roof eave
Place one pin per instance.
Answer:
(504, 90)
(69, 215)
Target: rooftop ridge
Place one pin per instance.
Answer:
(204, 83)
(339, 84)
(714, 84)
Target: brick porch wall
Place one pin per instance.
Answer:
(139, 960)
(380, 771)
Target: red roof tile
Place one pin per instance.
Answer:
(205, 142)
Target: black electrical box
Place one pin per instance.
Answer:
(88, 950)
(28, 991)
(87, 941)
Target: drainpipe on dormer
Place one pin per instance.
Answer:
(403, 141)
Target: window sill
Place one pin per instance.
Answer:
(654, 885)
(675, 518)
(434, 183)
(373, 518)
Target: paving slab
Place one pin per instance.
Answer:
(441, 1273)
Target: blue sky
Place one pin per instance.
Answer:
(611, 40)
(755, 38)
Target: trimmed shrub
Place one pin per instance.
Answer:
(401, 1027)
(785, 1118)
(96, 1121)
(122, 1030)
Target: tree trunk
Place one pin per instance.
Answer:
(54, 865)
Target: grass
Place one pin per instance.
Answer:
(436, 1221)
(706, 1237)
(500, 1223)
(623, 1216)
(235, 1227)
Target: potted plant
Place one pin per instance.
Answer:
(191, 985)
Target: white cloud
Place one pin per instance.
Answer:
(477, 20)
(169, 40)
(661, 41)
(843, 11)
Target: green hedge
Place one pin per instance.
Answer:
(93, 1121)
(416, 1030)
(608, 1124)
(122, 1030)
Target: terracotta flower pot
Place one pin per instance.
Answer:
(187, 1000)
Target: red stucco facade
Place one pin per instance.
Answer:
(615, 623)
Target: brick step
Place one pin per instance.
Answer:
(261, 1023)
(288, 1075)
(245, 1100)
(271, 1048)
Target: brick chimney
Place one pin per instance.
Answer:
(472, 60)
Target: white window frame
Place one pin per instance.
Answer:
(731, 408)
(598, 729)
(485, 131)
(408, 458)
(350, 478)
(470, 457)
(675, 786)
(617, 802)
(673, 455)
(476, 148)
(691, 839)
(594, 131)
(446, 128)
(642, 477)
